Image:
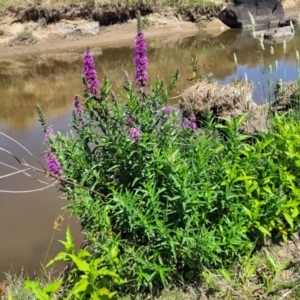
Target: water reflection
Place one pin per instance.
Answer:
(52, 81)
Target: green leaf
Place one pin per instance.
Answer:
(241, 119)
(34, 287)
(62, 256)
(83, 253)
(289, 219)
(263, 230)
(114, 252)
(105, 272)
(53, 287)
(271, 261)
(69, 244)
(105, 291)
(267, 189)
(243, 178)
(207, 277)
(80, 286)
(226, 275)
(80, 264)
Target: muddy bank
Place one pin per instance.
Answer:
(64, 27)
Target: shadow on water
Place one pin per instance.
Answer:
(53, 80)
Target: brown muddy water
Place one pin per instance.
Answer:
(26, 219)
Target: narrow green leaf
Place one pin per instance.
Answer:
(105, 272)
(263, 230)
(226, 275)
(289, 219)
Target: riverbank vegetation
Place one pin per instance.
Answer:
(170, 202)
(202, 3)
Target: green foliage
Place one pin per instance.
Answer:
(1, 31)
(88, 278)
(176, 200)
(146, 21)
(45, 293)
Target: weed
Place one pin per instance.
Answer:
(146, 22)
(88, 278)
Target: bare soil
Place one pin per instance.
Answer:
(73, 27)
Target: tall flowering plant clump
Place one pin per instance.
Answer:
(143, 171)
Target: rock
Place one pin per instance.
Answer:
(236, 14)
(277, 35)
(287, 21)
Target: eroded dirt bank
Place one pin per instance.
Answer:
(27, 31)
(31, 30)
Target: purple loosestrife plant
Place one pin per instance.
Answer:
(167, 111)
(135, 134)
(190, 123)
(78, 107)
(129, 121)
(140, 56)
(90, 74)
(53, 163)
(49, 131)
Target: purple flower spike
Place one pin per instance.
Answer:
(129, 121)
(90, 74)
(168, 110)
(78, 107)
(190, 123)
(135, 134)
(53, 164)
(48, 132)
(141, 61)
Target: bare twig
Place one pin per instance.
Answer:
(14, 173)
(42, 171)
(61, 179)
(23, 148)
(4, 150)
(25, 173)
(29, 191)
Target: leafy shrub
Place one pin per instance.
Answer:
(168, 197)
(88, 278)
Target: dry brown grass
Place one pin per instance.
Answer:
(227, 101)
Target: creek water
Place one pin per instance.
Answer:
(52, 80)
